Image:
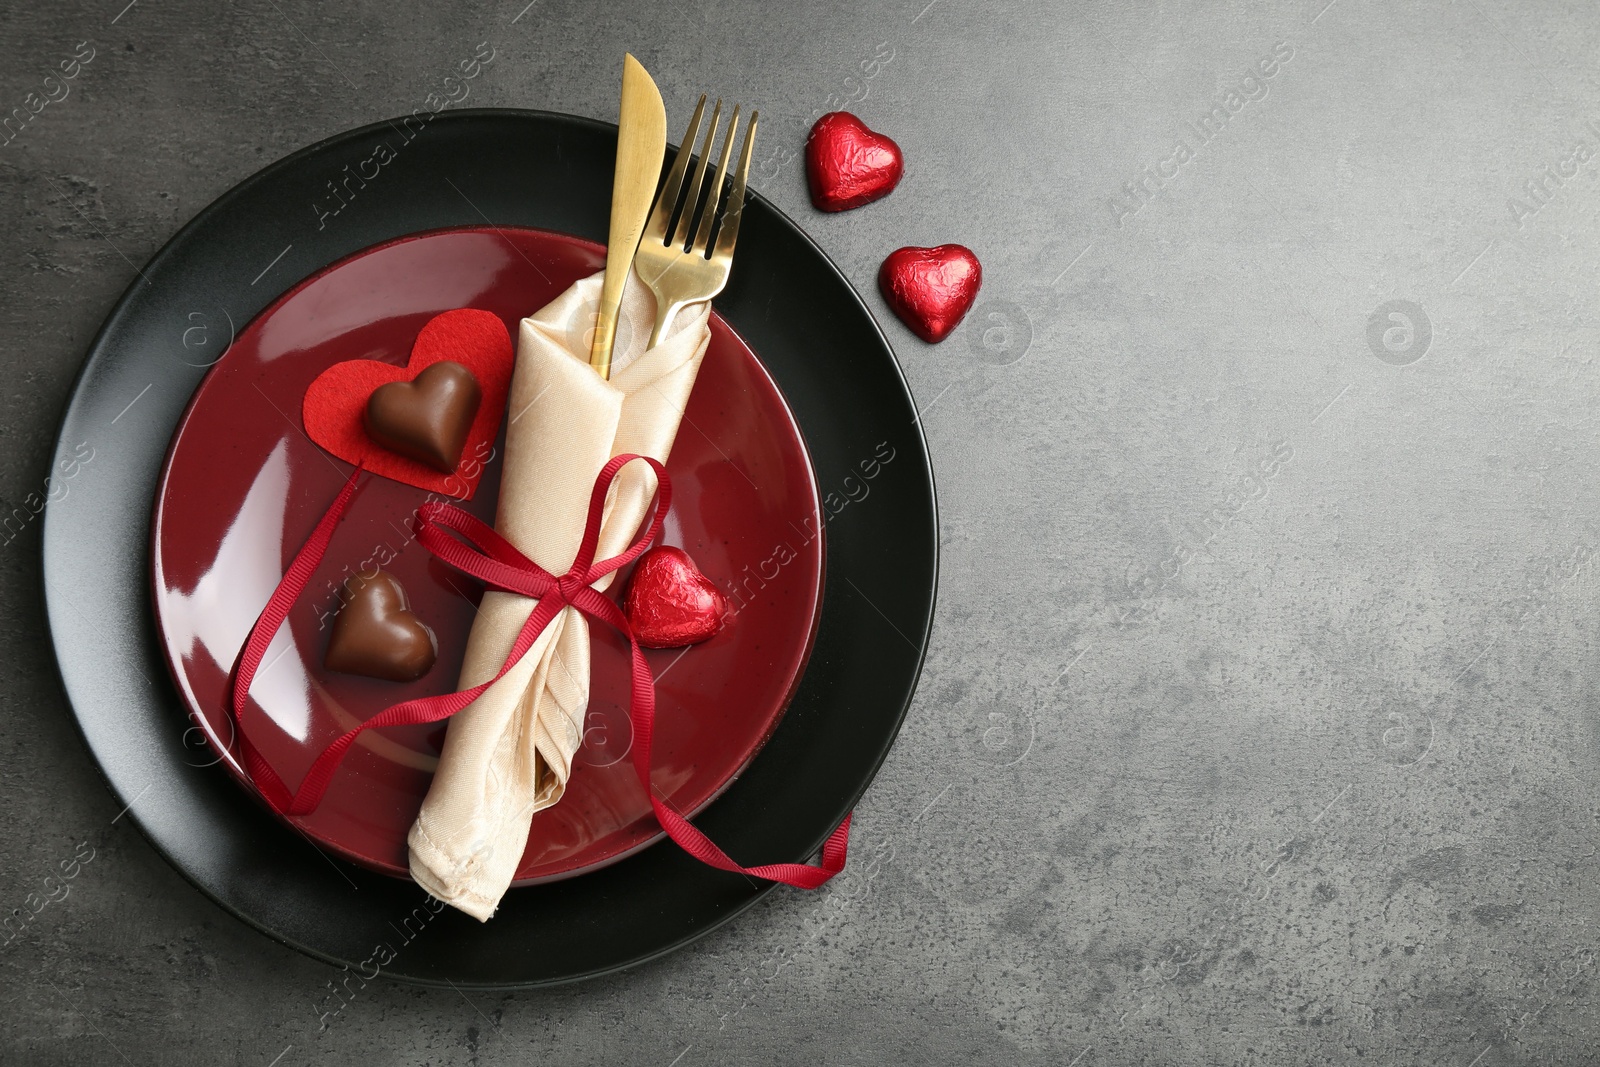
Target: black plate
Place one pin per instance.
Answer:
(466, 168)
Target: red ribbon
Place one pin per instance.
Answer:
(479, 551)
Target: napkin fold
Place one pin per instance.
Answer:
(509, 754)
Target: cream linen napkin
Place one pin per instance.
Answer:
(565, 422)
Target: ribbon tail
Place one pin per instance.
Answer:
(266, 628)
(684, 833)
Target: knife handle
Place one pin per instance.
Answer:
(641, 142)
(605, 328)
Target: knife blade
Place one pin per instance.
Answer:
(641, 144)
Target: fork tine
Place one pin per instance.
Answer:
(702, 237)
(681, 232)
(728, 232)
(667, 200)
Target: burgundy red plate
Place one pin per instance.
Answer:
(243, 486)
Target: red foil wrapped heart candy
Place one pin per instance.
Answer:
(670, 603)
(848, 165)
(931, 289)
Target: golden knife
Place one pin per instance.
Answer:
(641, 144)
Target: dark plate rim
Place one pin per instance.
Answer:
(97, 352)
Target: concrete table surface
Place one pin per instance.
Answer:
(1259, 725)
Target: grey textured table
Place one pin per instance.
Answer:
(1259, 721)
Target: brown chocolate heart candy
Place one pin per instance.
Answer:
(376, 635)
(428, 418)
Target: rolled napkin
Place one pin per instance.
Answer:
(509, 753)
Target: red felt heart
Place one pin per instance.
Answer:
(931, 289)
(670, 603)
(848, 165)
(337, 400)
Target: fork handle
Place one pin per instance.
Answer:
(663, 320)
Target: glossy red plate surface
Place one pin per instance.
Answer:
(243, 486)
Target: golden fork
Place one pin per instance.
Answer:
(685, 267)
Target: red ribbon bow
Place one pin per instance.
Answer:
(479, 551)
